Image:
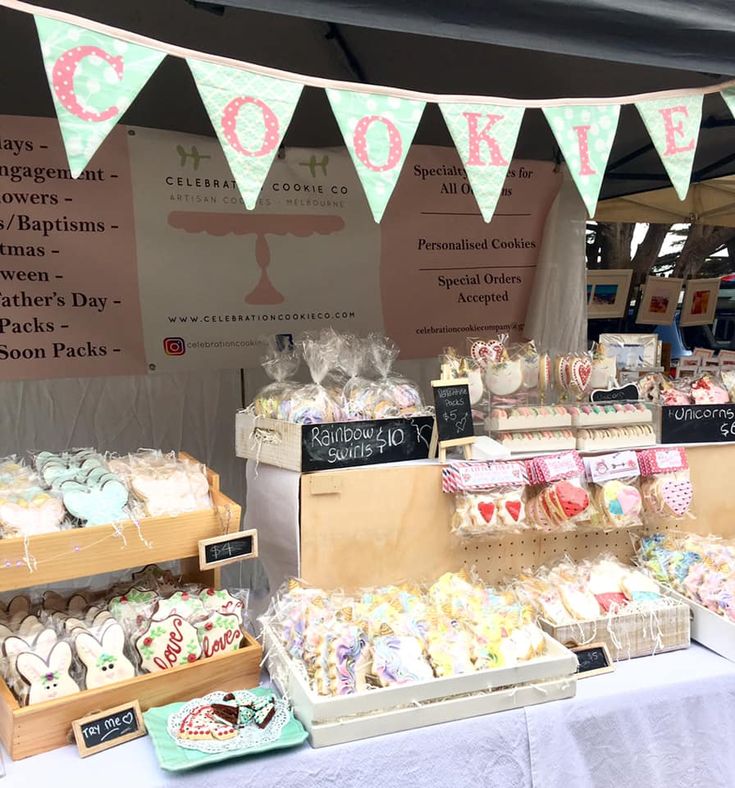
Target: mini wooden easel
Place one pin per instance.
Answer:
(465, 443)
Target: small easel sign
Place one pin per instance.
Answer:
(453, 413)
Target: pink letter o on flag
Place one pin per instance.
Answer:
(63, 81)
(359, 141)
(229, 126)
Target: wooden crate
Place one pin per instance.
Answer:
(80, 552)
(710, 629)
(30, 730)
(295, 447)
(629, 635)
(334, 720)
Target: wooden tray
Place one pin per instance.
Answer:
(94, 549)
(629, 635)
(30, 730)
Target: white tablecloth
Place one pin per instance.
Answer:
(666, 721)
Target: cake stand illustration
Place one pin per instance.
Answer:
(261, 226)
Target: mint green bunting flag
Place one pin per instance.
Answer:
(729, 95)
(250, 114)
(585, 135)
(485, 137)
(378, 131)
(673, 124)
(93, 79)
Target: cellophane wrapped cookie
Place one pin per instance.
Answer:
(391, 395)
(666, 485)
(162, 483)
(560, 498)
(313, 403)
(489, 497)
(357, 391)
(615, 486)
(274, 400)
(26, 508)
(709, 390)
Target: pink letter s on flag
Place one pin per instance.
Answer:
(63, 81)
(229, 126)
(476, 137)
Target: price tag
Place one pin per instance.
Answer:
(593, 659)
(227, 549)
(629, 392)
(108, 728)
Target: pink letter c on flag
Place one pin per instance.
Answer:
(63, 81)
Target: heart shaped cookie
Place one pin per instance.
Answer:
(572, 499)
(677, 495)
(513, 508)
(486, 510)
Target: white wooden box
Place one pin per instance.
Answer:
(710, 629)
(335, 720)
(619, 419)
(335, 445)
(529, 423)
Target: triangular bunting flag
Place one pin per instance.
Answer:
(729, 95)
(378, 131)
(585, 135)
(673, 124)
(485, 136)
(93, 79)
(250, 113)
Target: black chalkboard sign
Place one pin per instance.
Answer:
(356, 443)
(629, 392)
(453, 411)
(227, 549)
(697, 423)
(108, 728)
(593, 659)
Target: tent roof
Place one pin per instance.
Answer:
(400, 59)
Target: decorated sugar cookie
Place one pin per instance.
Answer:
(511, 510)
(168, 643)
(104, 659)
(30, 513)
(504, 377)
(220, 633)
(221, 600)
(203, 723)
(621, 503)
(182, 603)
(48, 678)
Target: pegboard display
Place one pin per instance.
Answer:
(387, 524)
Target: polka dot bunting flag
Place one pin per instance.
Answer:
(250, 114)
(378, 131)
(485, 136)
(673, 124)
(93, 79)
(585, 135)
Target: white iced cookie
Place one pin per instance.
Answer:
(47, 679)
(505, 377)
(476, 386)
(104, 659)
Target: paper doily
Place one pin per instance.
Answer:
(247, 736)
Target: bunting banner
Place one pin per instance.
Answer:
(95, 71)
(93, 79)
(378, 131)
(485, 137)
(673, 124)
(250, 114)
(585, 135)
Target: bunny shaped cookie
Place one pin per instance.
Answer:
(48, 679)
(104, 659)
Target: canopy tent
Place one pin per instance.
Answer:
(710, 202)
(630, 50)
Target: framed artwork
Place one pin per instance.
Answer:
(659, 300)
(700, 302)
(607, 293)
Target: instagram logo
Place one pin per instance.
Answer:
(174, 346)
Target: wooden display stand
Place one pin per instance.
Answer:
(365, 527)
(29, 730)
